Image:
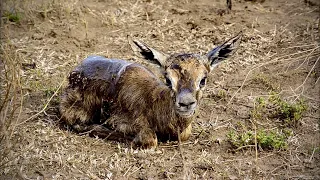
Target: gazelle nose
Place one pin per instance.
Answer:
(186, 101)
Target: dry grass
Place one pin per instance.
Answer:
(53, 36)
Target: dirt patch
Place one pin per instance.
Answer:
(279, 53)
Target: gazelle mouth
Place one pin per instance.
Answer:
(186, 114)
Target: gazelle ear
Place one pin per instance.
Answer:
(148, 53)
(222, 52)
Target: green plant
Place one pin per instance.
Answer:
(49, 92)
(274, 107)
(220, 95)
(13, 17)
(273, 139)
(240, 139)
(259, 108)
(290, 113)
(265, 81)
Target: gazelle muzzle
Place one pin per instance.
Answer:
(186, 103)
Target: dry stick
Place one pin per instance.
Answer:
(180, 150)
(21, 104)
(314, 149)
(308, 74)
(317, 80)
(20, 111)
(14, 79)
(134, 171)
(242, 147)
(304, 45)
(46, 105)
(255, 140)
(8, 84)
(307, 58)
(278, 168)
(263, 64)
(310, 98)
(6, 108)
(127, 171)
(7, 93)
(3, 136)
(297, 96)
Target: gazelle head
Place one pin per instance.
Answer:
(186, 74)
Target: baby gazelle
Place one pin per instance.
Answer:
(108, 95)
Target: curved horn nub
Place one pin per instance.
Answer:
(148, 52)
(222, 52)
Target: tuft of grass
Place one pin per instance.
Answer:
(259, 108)
(290, 113)
(12, 17)
(49, 92)
(264, 108)
(266, 81)
(220, 95)
(11, 99)
(267, 140)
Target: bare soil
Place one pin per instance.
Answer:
(279, 52)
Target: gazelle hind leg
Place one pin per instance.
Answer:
(72, 108)
(146, 139)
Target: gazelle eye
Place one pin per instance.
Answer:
(203, 82)
(168, 82)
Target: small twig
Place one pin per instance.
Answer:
(181, 153)
(134, 171)
(305, 45)
(255, 140)
(127, 171)
(175, 153)
(307, 58)
(266, 156)
(179, 146)
(314, 65)
(317, 80)
(314, 150)
(305, 80)
(46, 105)
(297, 96)
(278, 168)
(242, 147)
(199, 133)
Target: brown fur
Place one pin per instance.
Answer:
(137, 87)
(113, 98)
